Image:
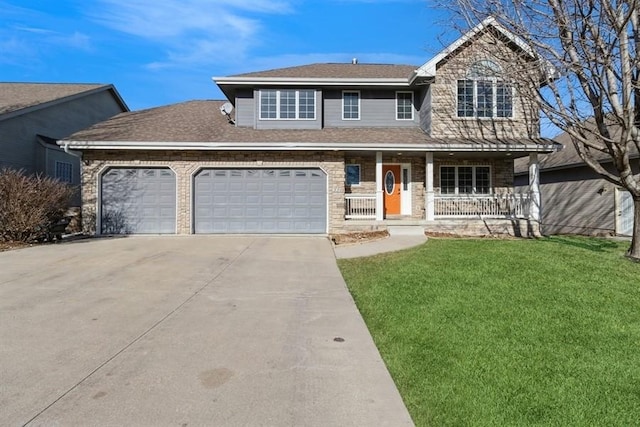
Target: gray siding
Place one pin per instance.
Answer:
(377, 109)
(19, 147)
(245, 108)
(424, 101)
(575, 201)
(289, 124)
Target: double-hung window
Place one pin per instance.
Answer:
(350, 105)
(465, 179)
(404, 105)
(482, 94)
(287, 104)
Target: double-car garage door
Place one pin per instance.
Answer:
(143, 200)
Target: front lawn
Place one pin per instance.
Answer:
(507, 332)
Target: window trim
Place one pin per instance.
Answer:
(357, 92)
(457, 180)
(297, 104)
(59, 178)
(494, 99)
(412, 104)
(346, 175)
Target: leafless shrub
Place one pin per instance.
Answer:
(30, 205)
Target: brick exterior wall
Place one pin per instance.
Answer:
(446, 124)
(186, 163)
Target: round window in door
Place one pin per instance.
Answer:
(389, 182)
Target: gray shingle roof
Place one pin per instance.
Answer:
(201, 121)
(338, 70)
(17, 96)
(567, 157)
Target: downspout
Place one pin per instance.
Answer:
(72, 153)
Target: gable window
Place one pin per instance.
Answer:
(404, 105)
(287, 104)
(352, 173)
(465, 179)
(350, 105)
(64, 172)
(482, 94)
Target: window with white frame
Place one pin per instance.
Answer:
(404, 105)
(350, 105)
(465, 179)
(352, 173)
(64, 172)
(287, 104)
(483, 94)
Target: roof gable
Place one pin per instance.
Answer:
(428, 69)
(20, 98)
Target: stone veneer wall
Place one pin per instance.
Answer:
(444, 120)
(186, 163)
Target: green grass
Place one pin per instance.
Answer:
(507, 332)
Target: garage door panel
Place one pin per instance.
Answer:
(260, 201)
(138, 200)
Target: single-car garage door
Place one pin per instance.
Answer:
(260, 201)
(138, 201)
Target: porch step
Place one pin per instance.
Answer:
(405, 230)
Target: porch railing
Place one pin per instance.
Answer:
(360, 206)
(495, 205)
(363, 206)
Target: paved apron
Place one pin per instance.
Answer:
(184, 331)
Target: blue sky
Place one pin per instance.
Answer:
(159, 52)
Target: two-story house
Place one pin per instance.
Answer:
(325, 148)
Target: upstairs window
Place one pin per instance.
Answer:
(465, 179)
(483, 94)
(404, 105)
(287, 104)
(350, 105)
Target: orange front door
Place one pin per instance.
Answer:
(391, 189)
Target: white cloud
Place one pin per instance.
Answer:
(14, 50)
(190, 31)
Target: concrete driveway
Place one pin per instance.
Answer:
(186, 331)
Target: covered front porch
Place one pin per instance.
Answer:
(444, 188)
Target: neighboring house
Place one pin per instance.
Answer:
(33, 116)
(324, 148)
(575, 199)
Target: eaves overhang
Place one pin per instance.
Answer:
(306, 146)
(303, 81)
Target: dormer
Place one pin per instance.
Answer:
(323, 96)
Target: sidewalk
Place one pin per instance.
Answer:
(388, 244)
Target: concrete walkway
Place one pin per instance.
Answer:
(389, 244)
(187, 331)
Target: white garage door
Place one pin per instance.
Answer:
(138, 201)
(260, 201)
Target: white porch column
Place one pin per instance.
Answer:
(379, 189)
(430, 198)
(534, 187)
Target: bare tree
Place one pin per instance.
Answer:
(587, 79)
